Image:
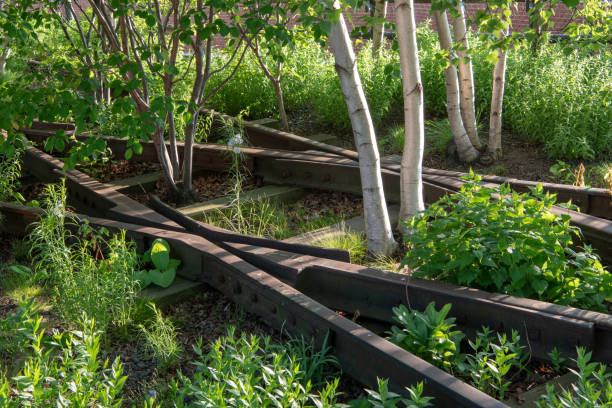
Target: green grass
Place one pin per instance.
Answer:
(277, 221)
(353, 242)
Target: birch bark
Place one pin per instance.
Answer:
(466, 151)
(411, 187)
(378, 31)
(466, 78)
(378, 226)
(497, 99)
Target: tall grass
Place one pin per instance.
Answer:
(563, 102)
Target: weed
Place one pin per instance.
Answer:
(489, 365)
(511, 244)
(556, 359)
(394, 142)
(160, 339)
(499, 170)
(10, 169)
(438, 134)
(592, 388)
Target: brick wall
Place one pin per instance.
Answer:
(520, 18)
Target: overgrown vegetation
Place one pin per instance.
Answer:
(430, 335)
(63, 369)
(560, 101)
(88, 271)
(501, 241)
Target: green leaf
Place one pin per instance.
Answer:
(160, 253)
(144, 278)
(163, 279)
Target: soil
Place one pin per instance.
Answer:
(521, 160)
(208, 185)
(113, 170)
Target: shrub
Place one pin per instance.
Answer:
(501, 241)
(60, 370)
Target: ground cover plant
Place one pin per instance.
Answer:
(501, 241)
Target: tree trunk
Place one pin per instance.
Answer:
(281, 104)
(466, 79)
(378, 31)
(378, 227)
(411, 186)
(466, 151)
(497, 99)
(6, 52)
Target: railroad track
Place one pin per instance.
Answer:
(334, 168)
(299, 288)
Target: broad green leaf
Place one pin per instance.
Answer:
(160, 254)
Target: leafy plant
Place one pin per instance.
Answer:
(246, 371)
(164, 270)
(160, 339)
(556, 359)
(386, 399)
(10, 169)
(592, 388)
(490, 363)
(501, 241)
(81, 275)
(427, 334)
(60, 370)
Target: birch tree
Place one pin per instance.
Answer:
(378, 29)
(465, 150)
(414, 123)
(378, 226)
(5, 48)
(466, 77)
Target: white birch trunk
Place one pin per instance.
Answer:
(411, 187)
(378, 226)
(378, 31)
(466, 151)
(6, 52)
(497, 99)
(466, 79)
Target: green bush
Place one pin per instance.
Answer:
(501, 241)
(60, 370)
